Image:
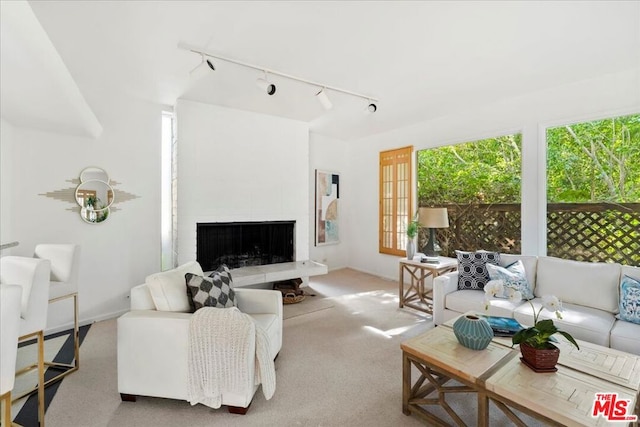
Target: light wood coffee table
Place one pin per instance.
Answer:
(496, 375)
(439, 358)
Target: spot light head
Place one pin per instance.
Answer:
(210, 64)
(372, 108)
(267, 86)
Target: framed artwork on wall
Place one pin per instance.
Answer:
(326, 207)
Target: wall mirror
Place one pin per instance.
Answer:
(94, 195)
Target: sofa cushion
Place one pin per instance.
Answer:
(472, 269)
(512, 276)
(583, 323)
(168, 288)
(530, 265)
(589, 284)
(625, 336)
(470, 300)
(630, 299)
(213, 291)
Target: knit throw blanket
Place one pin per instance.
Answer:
(219, 343)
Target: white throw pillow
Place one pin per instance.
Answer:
(169, 288)
(512, 276)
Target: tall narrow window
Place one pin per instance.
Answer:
(166, 194)
(395, 200)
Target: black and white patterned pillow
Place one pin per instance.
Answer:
(472, 270)
(213, 291)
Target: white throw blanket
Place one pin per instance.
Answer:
(219, 342)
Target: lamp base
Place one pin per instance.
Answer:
(432, 249)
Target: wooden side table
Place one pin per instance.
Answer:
(416, 295)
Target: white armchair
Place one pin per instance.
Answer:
(153, 345)
(63, 285)
(33, 276)
(10, 296)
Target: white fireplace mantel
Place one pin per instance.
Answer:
(259, 274)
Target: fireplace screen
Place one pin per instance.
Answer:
(241, 244)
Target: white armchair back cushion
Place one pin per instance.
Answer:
(169, 289)
(10, 296)
(32, 275)
(64, 260)
(590, 284)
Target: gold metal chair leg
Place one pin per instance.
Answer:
(41, 378)
(6, 413)
(66, 367)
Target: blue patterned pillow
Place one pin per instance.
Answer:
(472, 269)
(512, 276)
(630, 299)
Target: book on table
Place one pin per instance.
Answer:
(503, 326)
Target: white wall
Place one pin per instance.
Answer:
(7, 234)
(330, 154)
(240, 166)
(116, 254)
(607, 96)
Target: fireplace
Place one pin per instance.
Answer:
(241, 244)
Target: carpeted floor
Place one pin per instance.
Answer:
(340, 364)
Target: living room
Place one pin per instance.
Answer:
(445, 72)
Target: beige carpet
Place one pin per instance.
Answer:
(339, 365)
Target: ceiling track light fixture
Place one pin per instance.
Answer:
(324, 99)
(265, 85)
(270, 88)
(200, 70)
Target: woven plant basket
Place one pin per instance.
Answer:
(540, 360)
(292, 298)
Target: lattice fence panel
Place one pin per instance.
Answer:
(596, 232)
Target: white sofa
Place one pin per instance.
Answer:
(589, 293)
(153, 344)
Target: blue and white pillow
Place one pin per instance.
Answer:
(630, 299)
(512, 276)
(472, 270)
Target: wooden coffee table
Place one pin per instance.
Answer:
(439, 358)
(496, 375)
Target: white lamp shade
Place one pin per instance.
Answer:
(433, 217)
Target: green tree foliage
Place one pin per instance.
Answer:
(486, 171)
(595, 161)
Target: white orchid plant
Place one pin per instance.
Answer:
(539, 335)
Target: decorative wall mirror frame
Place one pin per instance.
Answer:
(94, 195)
(94, 185)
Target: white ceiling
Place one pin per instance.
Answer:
(422, 59)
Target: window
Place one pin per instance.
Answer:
(167, 219)
(593, 191)
(479, 183)
(395, 200)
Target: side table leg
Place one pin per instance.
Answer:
(401, 287)
(406, 383)
(483, 409)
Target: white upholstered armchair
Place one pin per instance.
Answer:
(153, 345)
(33, 276)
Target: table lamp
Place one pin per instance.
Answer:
(433, 218)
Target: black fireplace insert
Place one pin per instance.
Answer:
(241, 244)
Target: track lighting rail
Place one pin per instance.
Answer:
(200, 51)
